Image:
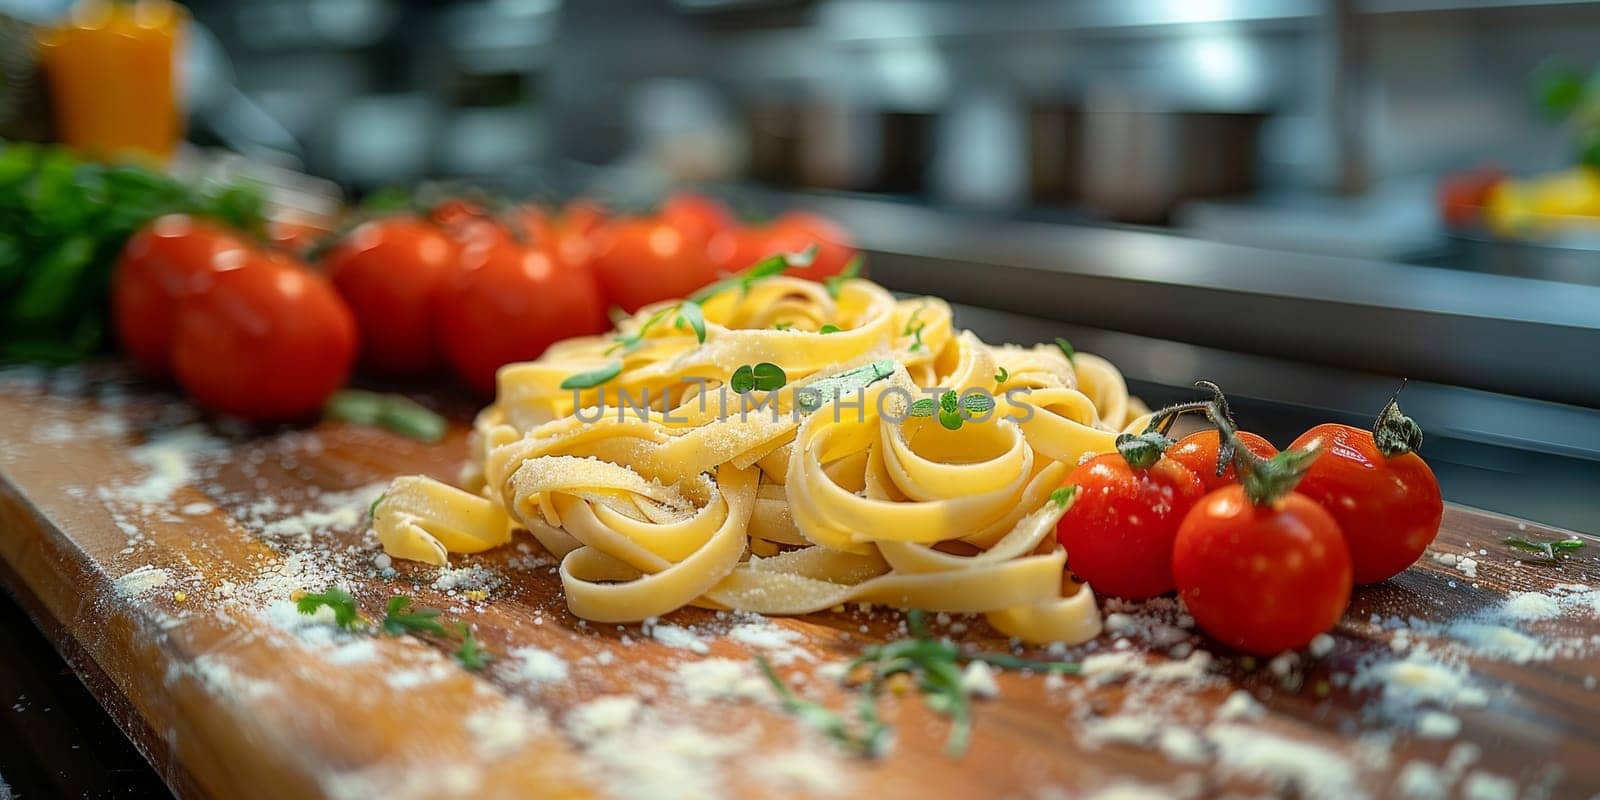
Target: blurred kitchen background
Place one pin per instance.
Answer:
(1295, 198)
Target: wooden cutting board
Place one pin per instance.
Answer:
(160, 552)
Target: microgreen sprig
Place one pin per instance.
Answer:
(1549, 550)
(952, 409)
(850, 271)
(593, 378)
(937, 667)
(1067, 350)
(345, 613)
(765, 376)
(470, 653)
(761, 270)
(400, 617)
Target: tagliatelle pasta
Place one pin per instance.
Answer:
(659, 487)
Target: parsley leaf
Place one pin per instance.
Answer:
(1549, 550)
(470, 653)
(399, 617)
(345, 613)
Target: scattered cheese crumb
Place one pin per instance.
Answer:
(978, 680)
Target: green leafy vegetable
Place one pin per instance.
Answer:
(393, 412)
(1550, 550)
(63, 222)
(345, 613)
(593, 378)
(470, 653)
(399, 617)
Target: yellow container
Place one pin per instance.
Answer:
(112, 72)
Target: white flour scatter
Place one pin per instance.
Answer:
(632, 752)
(675, 636)
(504, 729)
(1437, 725)
(142, 581)
(1240, 706)
(1481, 785)
(534, 666)
(422, 675)
(223, 682)
(466, 579)
(169, 459)
(710, 679)
(978, 680)
(780, 645)
(1529, 606)
(1316, 772)
(329, 512)
(809, 771)
(1418, 680)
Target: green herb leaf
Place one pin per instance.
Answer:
(1066, 349)
(868, 741)
(470, 653)
(593, 378)
(1001, 375)
(926, 407)
(761, 270)
(851, 270)
(399, 617)
(1063, 495)
(951, 419)
(372, 510)
(393, 412)
(743, 379)
(783, 326)
(769, 377)
(691, 312)
(829, 328)
(345, 613)
(976, 405)
(1550, 550)
(813, 396)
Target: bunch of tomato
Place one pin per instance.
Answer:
(1263, 563)
(253, 331)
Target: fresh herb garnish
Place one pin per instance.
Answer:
(867, 737)
(345, 613)
(470, 653)
(952, 409)
(834, 283)
(629, 342)
(372, 510)
(937, 667)
(783, 326)
(914, 328)
(761, 270)
(811, 397)
(766, 377)
(690, 313)
(829, 328)
(1001, 374)
(1066, 349)
(593, 378)
(1550, 550)
(1063, 495)
(393, 412)
(399, 617)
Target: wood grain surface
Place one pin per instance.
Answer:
(230, 699)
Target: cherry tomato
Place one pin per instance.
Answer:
(1261, 579)
(268, 341)
(640, 261)
(735, 249)
(583, 216)
(795, 231)
(388, 270)
(570, 243)
(171, 258)
(1118, 532)
(508, 303)
(469, 223)
(696, 215)
(1388, 508)
(1198, 452)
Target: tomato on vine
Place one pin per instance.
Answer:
(1383, 495)
(1199, 452)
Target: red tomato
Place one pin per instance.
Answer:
(268, 342)
(735, 249)
(583, 216)
(1388, 508)
(570, 243)
(1261, 579)
(696, 215)
(1118, 532)
(640, 261)
(795, 231)
(469, 223)
(1198, 452)
(388, 271)
(171, 258)
(509, 303)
